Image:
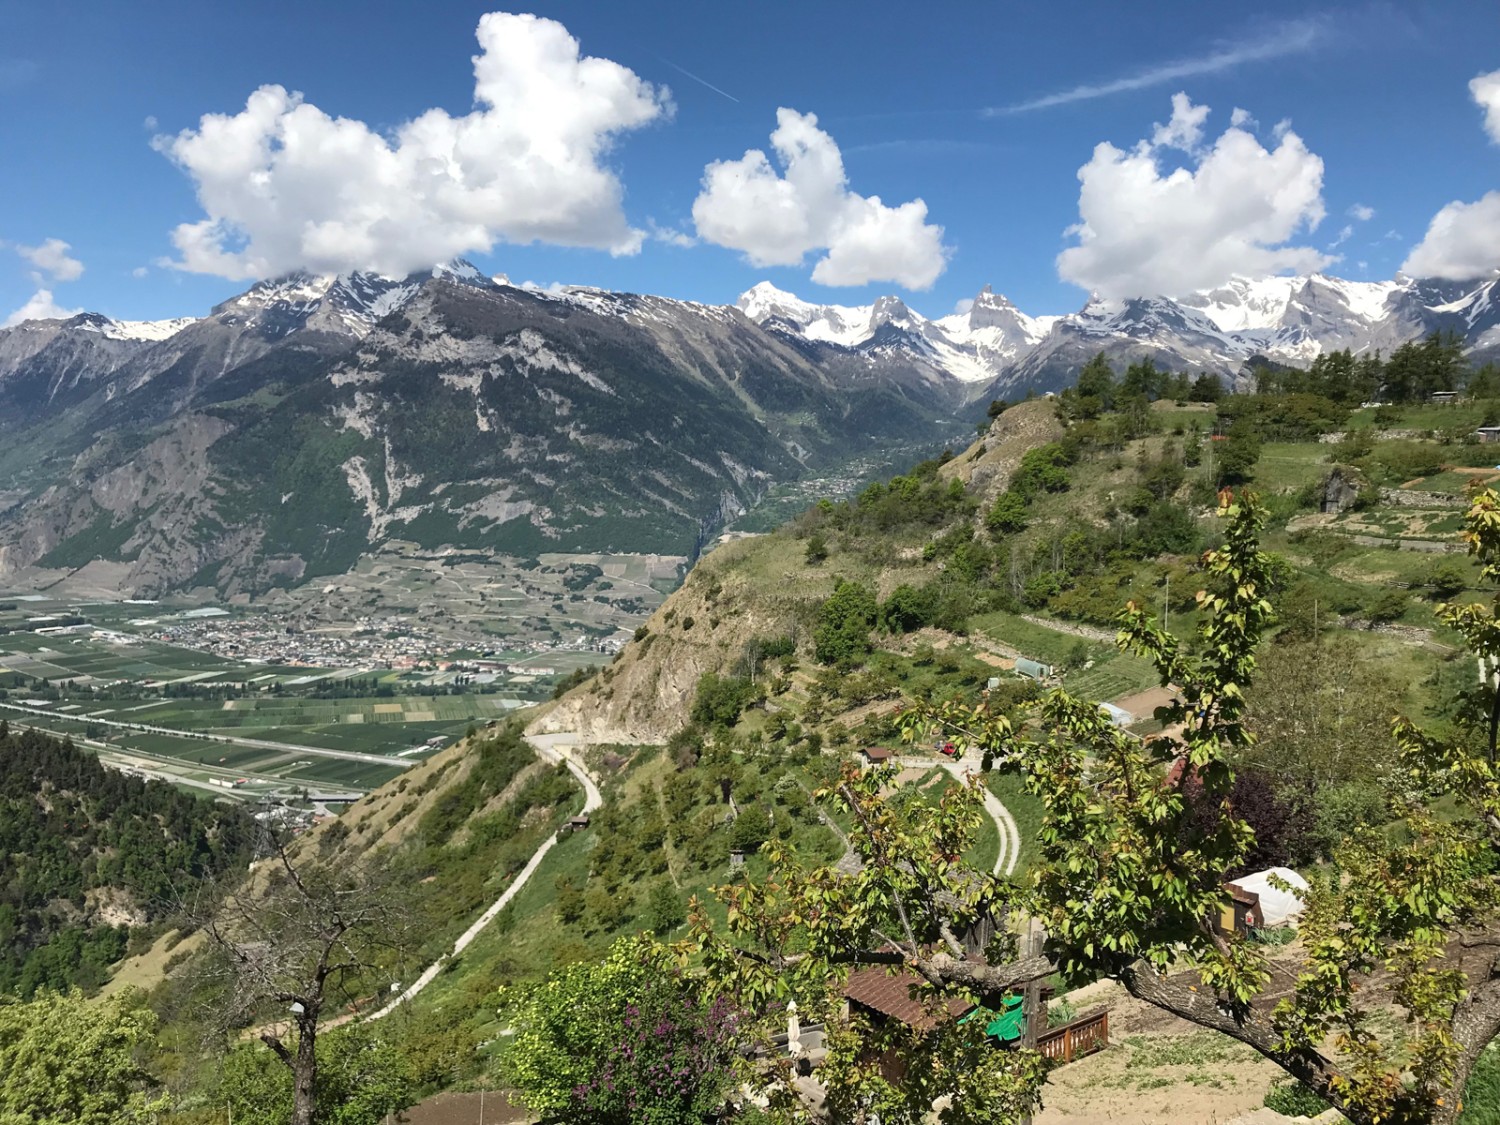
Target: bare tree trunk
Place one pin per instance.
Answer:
(305, 1072)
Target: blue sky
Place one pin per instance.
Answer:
(985, 113)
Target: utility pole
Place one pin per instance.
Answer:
(1033, 1010)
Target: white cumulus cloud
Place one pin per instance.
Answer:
(285, 186)
(51, 259)
(1144, 230)
(1185, 129)
(1361, 213)
(778, 218)
(1463, 240)
(1486, 91)
(40, 307)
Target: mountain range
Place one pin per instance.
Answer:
(1287, 320)
(310, 421)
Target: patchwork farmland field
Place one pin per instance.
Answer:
(204, 719)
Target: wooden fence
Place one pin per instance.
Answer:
(1083, 1036)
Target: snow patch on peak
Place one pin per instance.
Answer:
(461, 269)
(1367, 300)
(971, 346)
(296, 289)
(1242, 304)
(893, 310)
(835, 324)
(112, 329)
(1261, 304)
(147, 329)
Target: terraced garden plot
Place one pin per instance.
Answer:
(1285, 465)
(1456, 482)
(1035, 641)
(1113, 677)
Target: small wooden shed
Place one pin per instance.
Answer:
(1242, 912)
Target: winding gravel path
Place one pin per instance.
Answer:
(1005, 824)
(555, 748)
(550, 748)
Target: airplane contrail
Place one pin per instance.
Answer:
(700, 81)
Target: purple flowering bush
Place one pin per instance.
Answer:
(626, 1041)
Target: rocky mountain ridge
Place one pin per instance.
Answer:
(1288, 320)
(309, 421)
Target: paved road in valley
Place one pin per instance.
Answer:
(257, 743)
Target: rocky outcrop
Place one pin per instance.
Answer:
(1341, 489)
(988, 465)
(646, 694)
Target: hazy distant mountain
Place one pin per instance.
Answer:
(1286, 319)
(310, 420)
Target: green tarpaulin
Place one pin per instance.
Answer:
(1007, 1025)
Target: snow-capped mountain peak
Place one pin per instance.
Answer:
(971, 346)
(1258, 304)
(894, 311)
(112, 329)
(147, 329)
(834, 324)
(1284, 319)
(461, 269)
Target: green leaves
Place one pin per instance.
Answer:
(65, 1060)
(362, 1078)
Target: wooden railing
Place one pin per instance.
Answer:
(1083, 1036)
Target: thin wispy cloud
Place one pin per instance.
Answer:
(1289, 38)
(700, 81)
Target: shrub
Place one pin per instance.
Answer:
(1008, 515)
(664, 908)
(1388, 606)
(751, 829)
(1294, 1099)
(721, 699)
(908, 609)
(842, 635)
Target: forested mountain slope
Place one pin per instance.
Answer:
(90, 857)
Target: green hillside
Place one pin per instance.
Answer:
(92, 861)
(784, 656)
